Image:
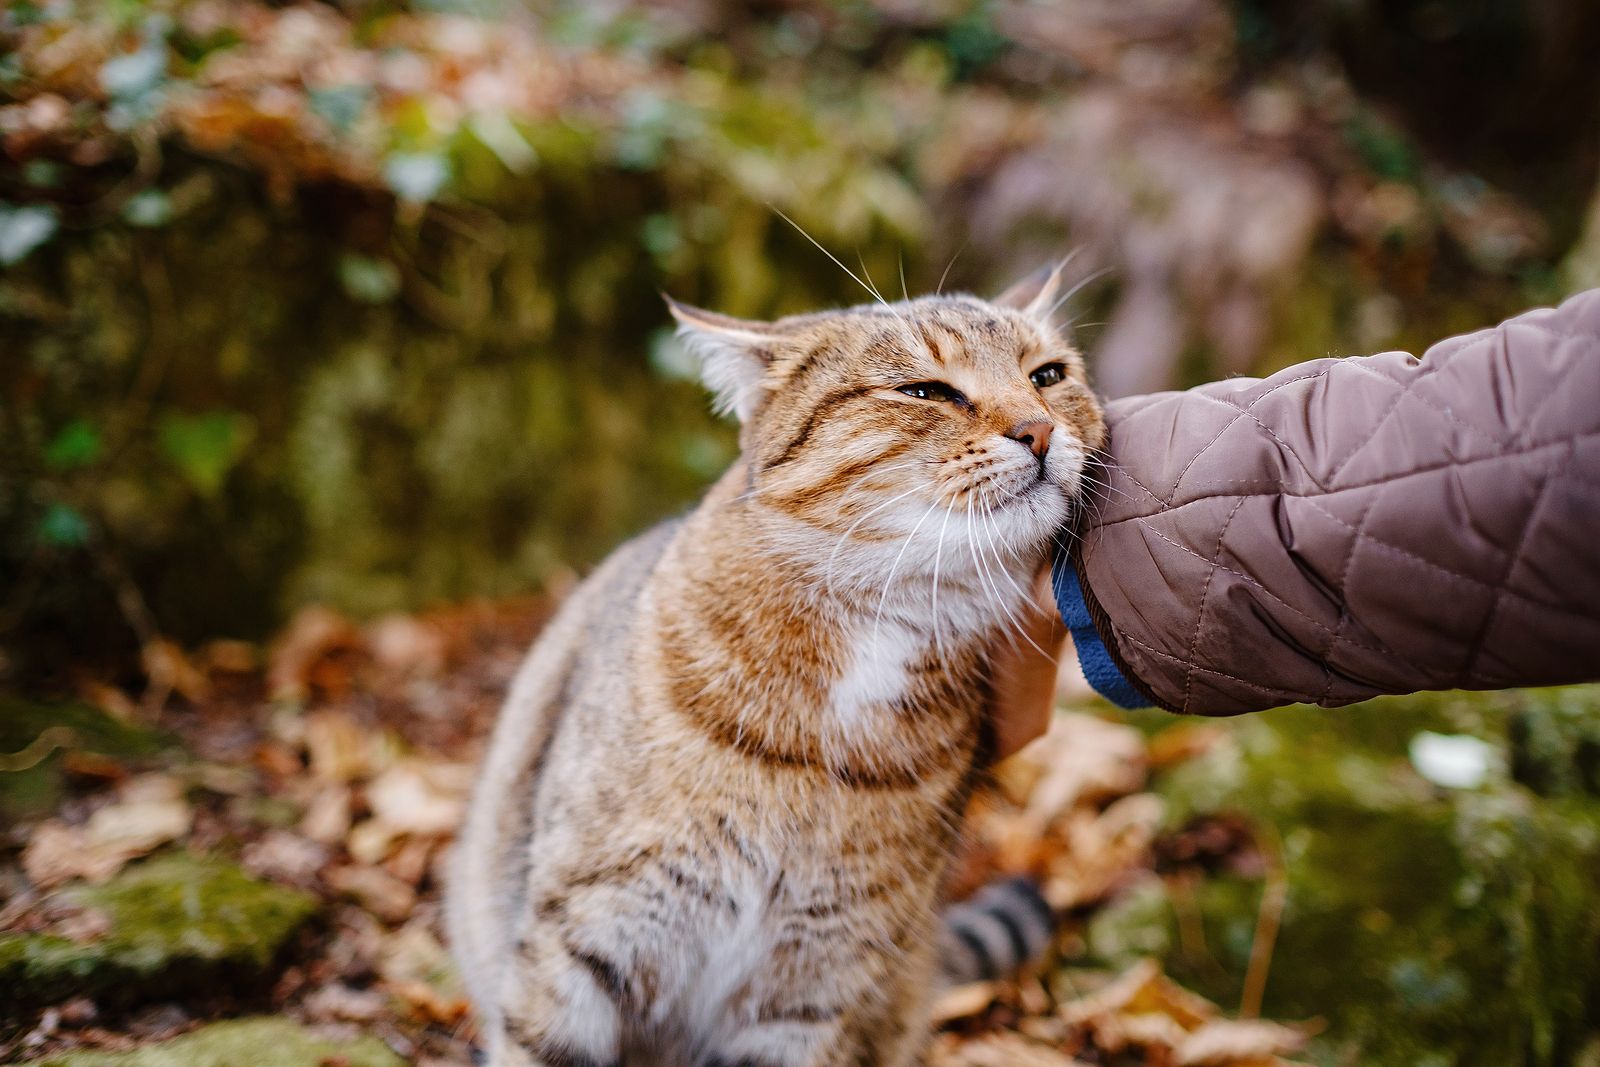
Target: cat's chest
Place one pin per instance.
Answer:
(880, 664)
(889, 667)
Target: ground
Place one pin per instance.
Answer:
(246, 856)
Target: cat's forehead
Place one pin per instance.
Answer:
(940, 329)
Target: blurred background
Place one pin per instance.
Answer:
(331, 349)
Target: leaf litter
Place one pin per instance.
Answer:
(339, 761)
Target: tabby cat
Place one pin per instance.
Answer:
(713, 820)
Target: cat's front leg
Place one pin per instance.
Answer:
(557, 1007)
(805, 1033)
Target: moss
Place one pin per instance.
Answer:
(173, 922)
(258, 1042)
(1426, 925)
(34, 785)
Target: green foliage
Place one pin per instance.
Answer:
(369, 280)
(204, 447)
(1421, 922)
(76, 445)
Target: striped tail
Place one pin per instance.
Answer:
(1004, 927)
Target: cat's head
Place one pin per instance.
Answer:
(949, 415)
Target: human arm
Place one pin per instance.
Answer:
(1353, 527)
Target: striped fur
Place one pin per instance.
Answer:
(712, 821)
(1003, 928)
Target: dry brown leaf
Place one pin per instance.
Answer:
(230, 656)
(1186, 741)
(414, 965)
(315, 651)
(418, 796)
(341, 749)
(149, 812)
(346, 1004)
(375, 889)
(1146, 1029)
(170, 669)
(1081, 759)
(406, 646)
(54, 854)
(962, 1002)
(1000, 1050)
(111, 700)
(1114, 996)
(371, 841)
(429, 1003)
(1230, 1042)
(1097, 852)
(327, 817)
(284, 857)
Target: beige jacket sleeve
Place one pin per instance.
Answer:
(1354, 527)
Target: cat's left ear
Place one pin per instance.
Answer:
(734, 354)
(1035, 295)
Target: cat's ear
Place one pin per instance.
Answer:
(734, 354)
(1035, 295)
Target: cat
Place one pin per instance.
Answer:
(714, 816)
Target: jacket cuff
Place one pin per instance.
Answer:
(1095, 659)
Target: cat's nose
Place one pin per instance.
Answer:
(1035, 433)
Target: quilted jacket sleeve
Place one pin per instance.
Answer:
(1353, 527)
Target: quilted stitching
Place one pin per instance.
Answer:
(1240, 413)
(1502, 587)
(1506, 425)
(1215, 565)
(1205, 594)
(1384, 480)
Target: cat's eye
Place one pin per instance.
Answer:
(932, 391)
(1048, 375)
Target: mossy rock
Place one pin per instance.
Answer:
(175, 922)
(264, 1042)
(1426, 925)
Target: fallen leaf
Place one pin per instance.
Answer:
(1226, 1042)
(418, 796)
(375, 889)
(340, 749)
(405, 646)
(317, 650)
(169, 668)
(1000, 1050)
(1080, 760)
(327, 817)
(149, 812)
(962, 1002)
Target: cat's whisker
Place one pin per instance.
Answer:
(939, 289)
(1019, 629)
(833, 556)
(938, 558)
(872, 284)
(865, 284)
(802, 231)
(1092, 276)
(1019, 623)
(888, 583)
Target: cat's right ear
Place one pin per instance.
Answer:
(734, 354)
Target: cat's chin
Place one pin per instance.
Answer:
(1042, 506)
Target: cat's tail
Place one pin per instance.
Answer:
(1002, 928)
